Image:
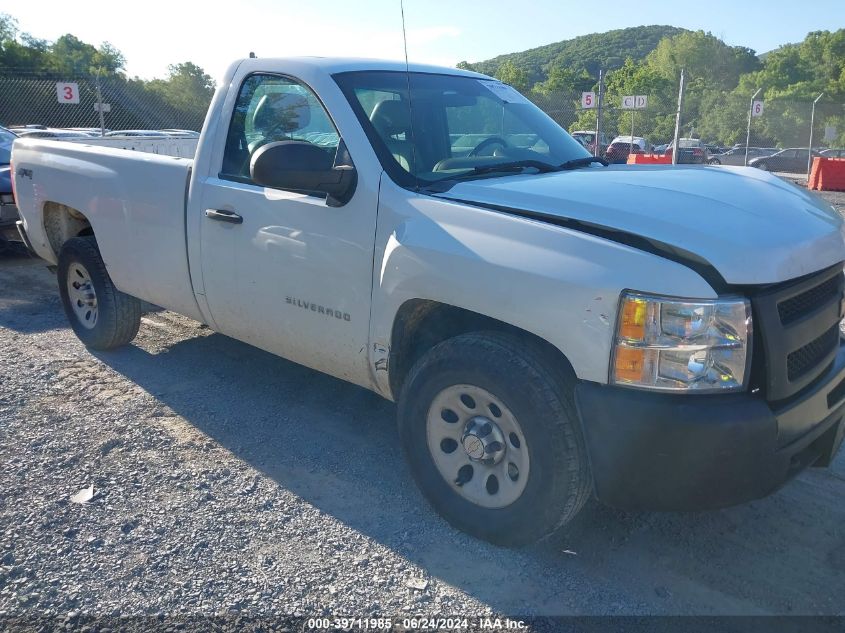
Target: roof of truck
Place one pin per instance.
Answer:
(333, 65)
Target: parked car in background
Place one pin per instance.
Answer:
(833, 153)
(7, 137)
(692, 151)
(583, 142)
(181, 133)
(713, 150)
(8, 210)
(588, 138)
(55, 133)
(661, 149)
(736, 156)
(137, 133)
(793, 159)
(93, 131)
(621, 146)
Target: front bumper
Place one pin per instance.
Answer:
(696, 452)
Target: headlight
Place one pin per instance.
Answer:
(671, 345)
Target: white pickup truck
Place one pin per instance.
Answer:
(551, 327)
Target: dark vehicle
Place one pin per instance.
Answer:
(833, 153)
(8, 210)
(618, 152)
(692, 151)
(736, 156)
(792, 160)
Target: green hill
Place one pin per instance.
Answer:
(590, 52)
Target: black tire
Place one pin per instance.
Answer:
(762, 166)
(542, 399)
(118, 314)
(714, 161)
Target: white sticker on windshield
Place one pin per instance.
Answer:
(506, 93)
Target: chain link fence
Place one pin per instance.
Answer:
(33, 99)
(721, 120)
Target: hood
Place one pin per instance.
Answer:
(751, 226)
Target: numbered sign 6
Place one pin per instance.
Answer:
(588, 100)
(757, 108)
(67, 92)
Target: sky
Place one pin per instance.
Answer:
(154, 33)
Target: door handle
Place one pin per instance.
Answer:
(224, 216)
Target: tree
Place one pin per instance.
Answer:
(511, 74)
(8, 29)
(707, 61)
(657, 121)
(187, 87)
(565, 80)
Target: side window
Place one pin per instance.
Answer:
(272, 108)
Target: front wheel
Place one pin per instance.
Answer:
(500, 458)
(762, 166)
(714, 161)
(101, 316)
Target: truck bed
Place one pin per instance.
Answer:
(130, 198)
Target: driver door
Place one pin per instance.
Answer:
(283, 270)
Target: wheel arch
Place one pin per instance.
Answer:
(62, 222)
(420, 324)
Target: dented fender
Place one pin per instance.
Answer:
(557, 283)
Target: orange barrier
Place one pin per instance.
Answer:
(827, 174)
(649, 159)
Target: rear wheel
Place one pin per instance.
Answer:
(714, 161)
(763, 166)
(501, 459)
(101, 316)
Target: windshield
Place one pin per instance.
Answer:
(453, 125)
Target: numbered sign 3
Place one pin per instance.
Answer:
(67, 92)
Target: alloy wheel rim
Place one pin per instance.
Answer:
(477, 446)
(83, 298)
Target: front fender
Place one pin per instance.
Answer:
(556, 283)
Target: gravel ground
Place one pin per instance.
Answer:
(226, 480)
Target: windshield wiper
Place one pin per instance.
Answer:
(575, 163)
(516, 165)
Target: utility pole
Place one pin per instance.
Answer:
(810, 148)
(678, 120)
(597, 148)
(748, 129)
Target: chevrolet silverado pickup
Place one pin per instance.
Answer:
(551, 327)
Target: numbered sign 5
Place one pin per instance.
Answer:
(757, 108)
(588, 99)
(67, 92)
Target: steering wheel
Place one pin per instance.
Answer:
(490, 140)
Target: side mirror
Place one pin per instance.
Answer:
(303, 166)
